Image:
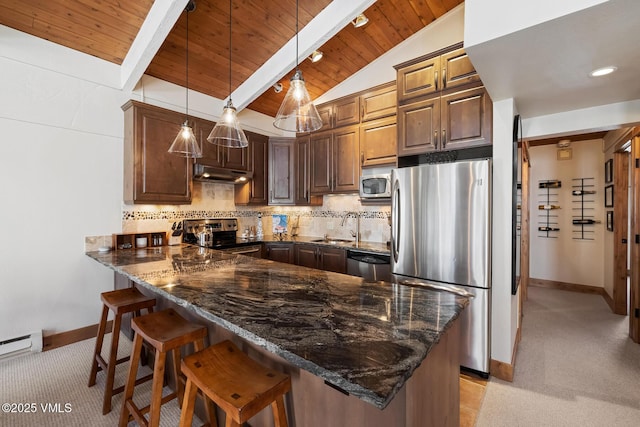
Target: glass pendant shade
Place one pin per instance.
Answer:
(227, 131)
(186, 144)
(297, 113)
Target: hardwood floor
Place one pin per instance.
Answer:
(471, 394)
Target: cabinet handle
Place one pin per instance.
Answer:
(444, 138)
(436, 79)
(362, 157)
(271, 196)
(435, 138)
(444, 79)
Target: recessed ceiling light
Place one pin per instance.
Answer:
(603, 71)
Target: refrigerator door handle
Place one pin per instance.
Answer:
(395, 220)
(452, 289)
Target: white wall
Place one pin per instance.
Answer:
(491, 19)
(566, 258)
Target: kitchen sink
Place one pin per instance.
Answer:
(332, 241)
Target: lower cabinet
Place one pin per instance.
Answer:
(281, 252)
(321, 257)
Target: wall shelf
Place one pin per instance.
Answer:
(130, 240)
(583, 205)
(548, 203)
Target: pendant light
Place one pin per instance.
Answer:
(186, 144)
(297, 113)
(227, 131)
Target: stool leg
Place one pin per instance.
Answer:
(111, 367)
(279, 414)
(99, 339)
(156, 389)
(131, 380)
(175, 353)
(209, 408)
(188, 405)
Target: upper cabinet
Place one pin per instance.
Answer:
(442, 104)
(151, 174)
(302, 166)
(255, 191)
(434, 73)
(335, 161)
(341, 112)
(215, 155)
(281, 171)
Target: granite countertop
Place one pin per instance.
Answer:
(366, 338)
(374, 247)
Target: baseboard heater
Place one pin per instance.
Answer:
(19, 346)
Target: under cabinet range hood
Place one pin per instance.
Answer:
(212, 173)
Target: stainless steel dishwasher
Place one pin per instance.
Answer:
(369, 265)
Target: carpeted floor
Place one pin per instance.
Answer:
(576, 366)
(56, 382)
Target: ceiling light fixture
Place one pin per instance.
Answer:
(186, 144)
(603, 71)
(297, 113)
(227, 131)
(316, 56)
(361, 20)
(277, 87)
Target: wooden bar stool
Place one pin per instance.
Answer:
(122, 301)
(165, 331)
(236, 383)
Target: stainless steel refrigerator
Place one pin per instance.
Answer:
(441, 238)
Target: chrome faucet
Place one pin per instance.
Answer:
(355, 234)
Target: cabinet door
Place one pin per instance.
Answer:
(211, 153)
(346, 111)
(281, 178)
(255, 191)
(321, 163)
(346, 159)
(379, 103)
(418, 79)
(466, 119)
(306, 255)
(326, 114)
(457, 69)
(333, 259)
(236, 158)
(418, 127)
(151, 174)
(379, 142)
(303, 173)
(280, 252)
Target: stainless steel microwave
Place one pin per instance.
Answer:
(375, 186)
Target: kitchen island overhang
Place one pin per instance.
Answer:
(364, 338)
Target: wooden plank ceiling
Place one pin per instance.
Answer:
(106, 29)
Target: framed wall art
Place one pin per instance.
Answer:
(610, 220)
(608, 196)
(608, 171)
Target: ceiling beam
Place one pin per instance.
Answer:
(154, 30)
(325, 25)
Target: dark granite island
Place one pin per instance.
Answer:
(359, 354)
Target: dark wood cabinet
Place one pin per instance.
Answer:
(436, 72)
(442, 104)
(458, 120)
(321, 257)
(302, 166)
(379, 102)
(255, 192)
(341, 112)
(379, 142)
(280, 252)
(335, 161)
(281, 171)
(215, 155)
(151, 174)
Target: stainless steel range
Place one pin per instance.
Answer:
(219, 234)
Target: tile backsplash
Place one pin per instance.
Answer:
(215, 200)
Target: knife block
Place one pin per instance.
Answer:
(175, 238)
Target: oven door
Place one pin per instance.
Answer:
(254, 251)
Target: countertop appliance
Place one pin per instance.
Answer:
(441, 238)
(219, 234)
(371, 266)
(375, 186)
